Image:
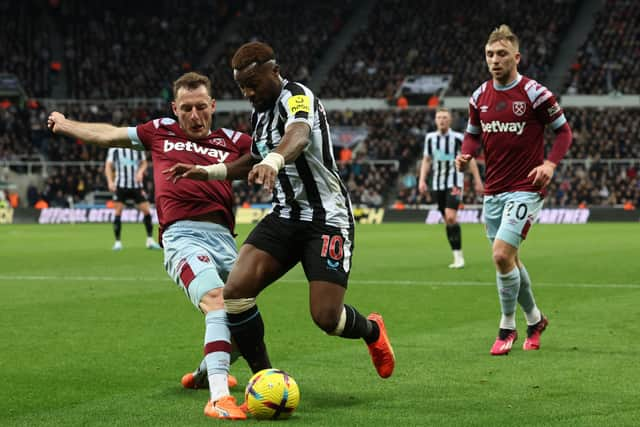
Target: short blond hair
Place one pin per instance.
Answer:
(443, 110)
(503, 32)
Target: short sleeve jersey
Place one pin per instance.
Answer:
(309, 189)
(187, 198)
(511, 121)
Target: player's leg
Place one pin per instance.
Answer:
(521, 211)
(454, 234)
(198, 257)
(117, 221)
(199, 379)
(268, 252)
(143, 206)
(506, 280)
(536, 321)
(326, 261)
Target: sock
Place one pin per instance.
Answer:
(117, 226)
(358, 326)
(247, 329)
(217, 347)
(508, 287)
(147, 225)
(455, 236)
(508, 321)
(526, 299)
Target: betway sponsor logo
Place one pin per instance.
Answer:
(498, 126)
(195, 148)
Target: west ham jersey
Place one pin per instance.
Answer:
(187, 198)
(511, 121)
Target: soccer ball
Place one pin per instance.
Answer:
(272, 394)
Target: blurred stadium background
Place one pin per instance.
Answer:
(380, 67)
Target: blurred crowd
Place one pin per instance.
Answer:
(425, 37)
(122, 49)
(379, 170)
(607, 62)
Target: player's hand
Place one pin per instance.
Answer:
(262, 174)
(462, 162)
(112, 187)
(139, 177)
(422, 187)
(55, 120)
(183, 170)
(542, 174)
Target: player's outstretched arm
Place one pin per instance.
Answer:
(237, 169)
(102, 134)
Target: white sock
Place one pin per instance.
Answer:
(218, 386)
(508, 321)
(457, 255)
(534, 316)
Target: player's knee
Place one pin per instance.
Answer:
(503, 259)
(326, 318)
(212, 300)
(450, 220)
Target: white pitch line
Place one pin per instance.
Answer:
(355, 282)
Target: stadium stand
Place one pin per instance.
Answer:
(101, 55)
(608, 60)
(423, 37)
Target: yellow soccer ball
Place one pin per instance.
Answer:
(272, 394)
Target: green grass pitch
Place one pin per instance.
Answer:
(93, 337)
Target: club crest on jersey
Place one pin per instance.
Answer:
(519, 108)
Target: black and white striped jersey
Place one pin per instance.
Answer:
(126, 163)
(309, 189)
(443, 149)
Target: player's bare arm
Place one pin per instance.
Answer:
(142, 168)
(425, 167)
(237, 169)
(108, 173)
(475, 172)
(294, 141)
(101, 134)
